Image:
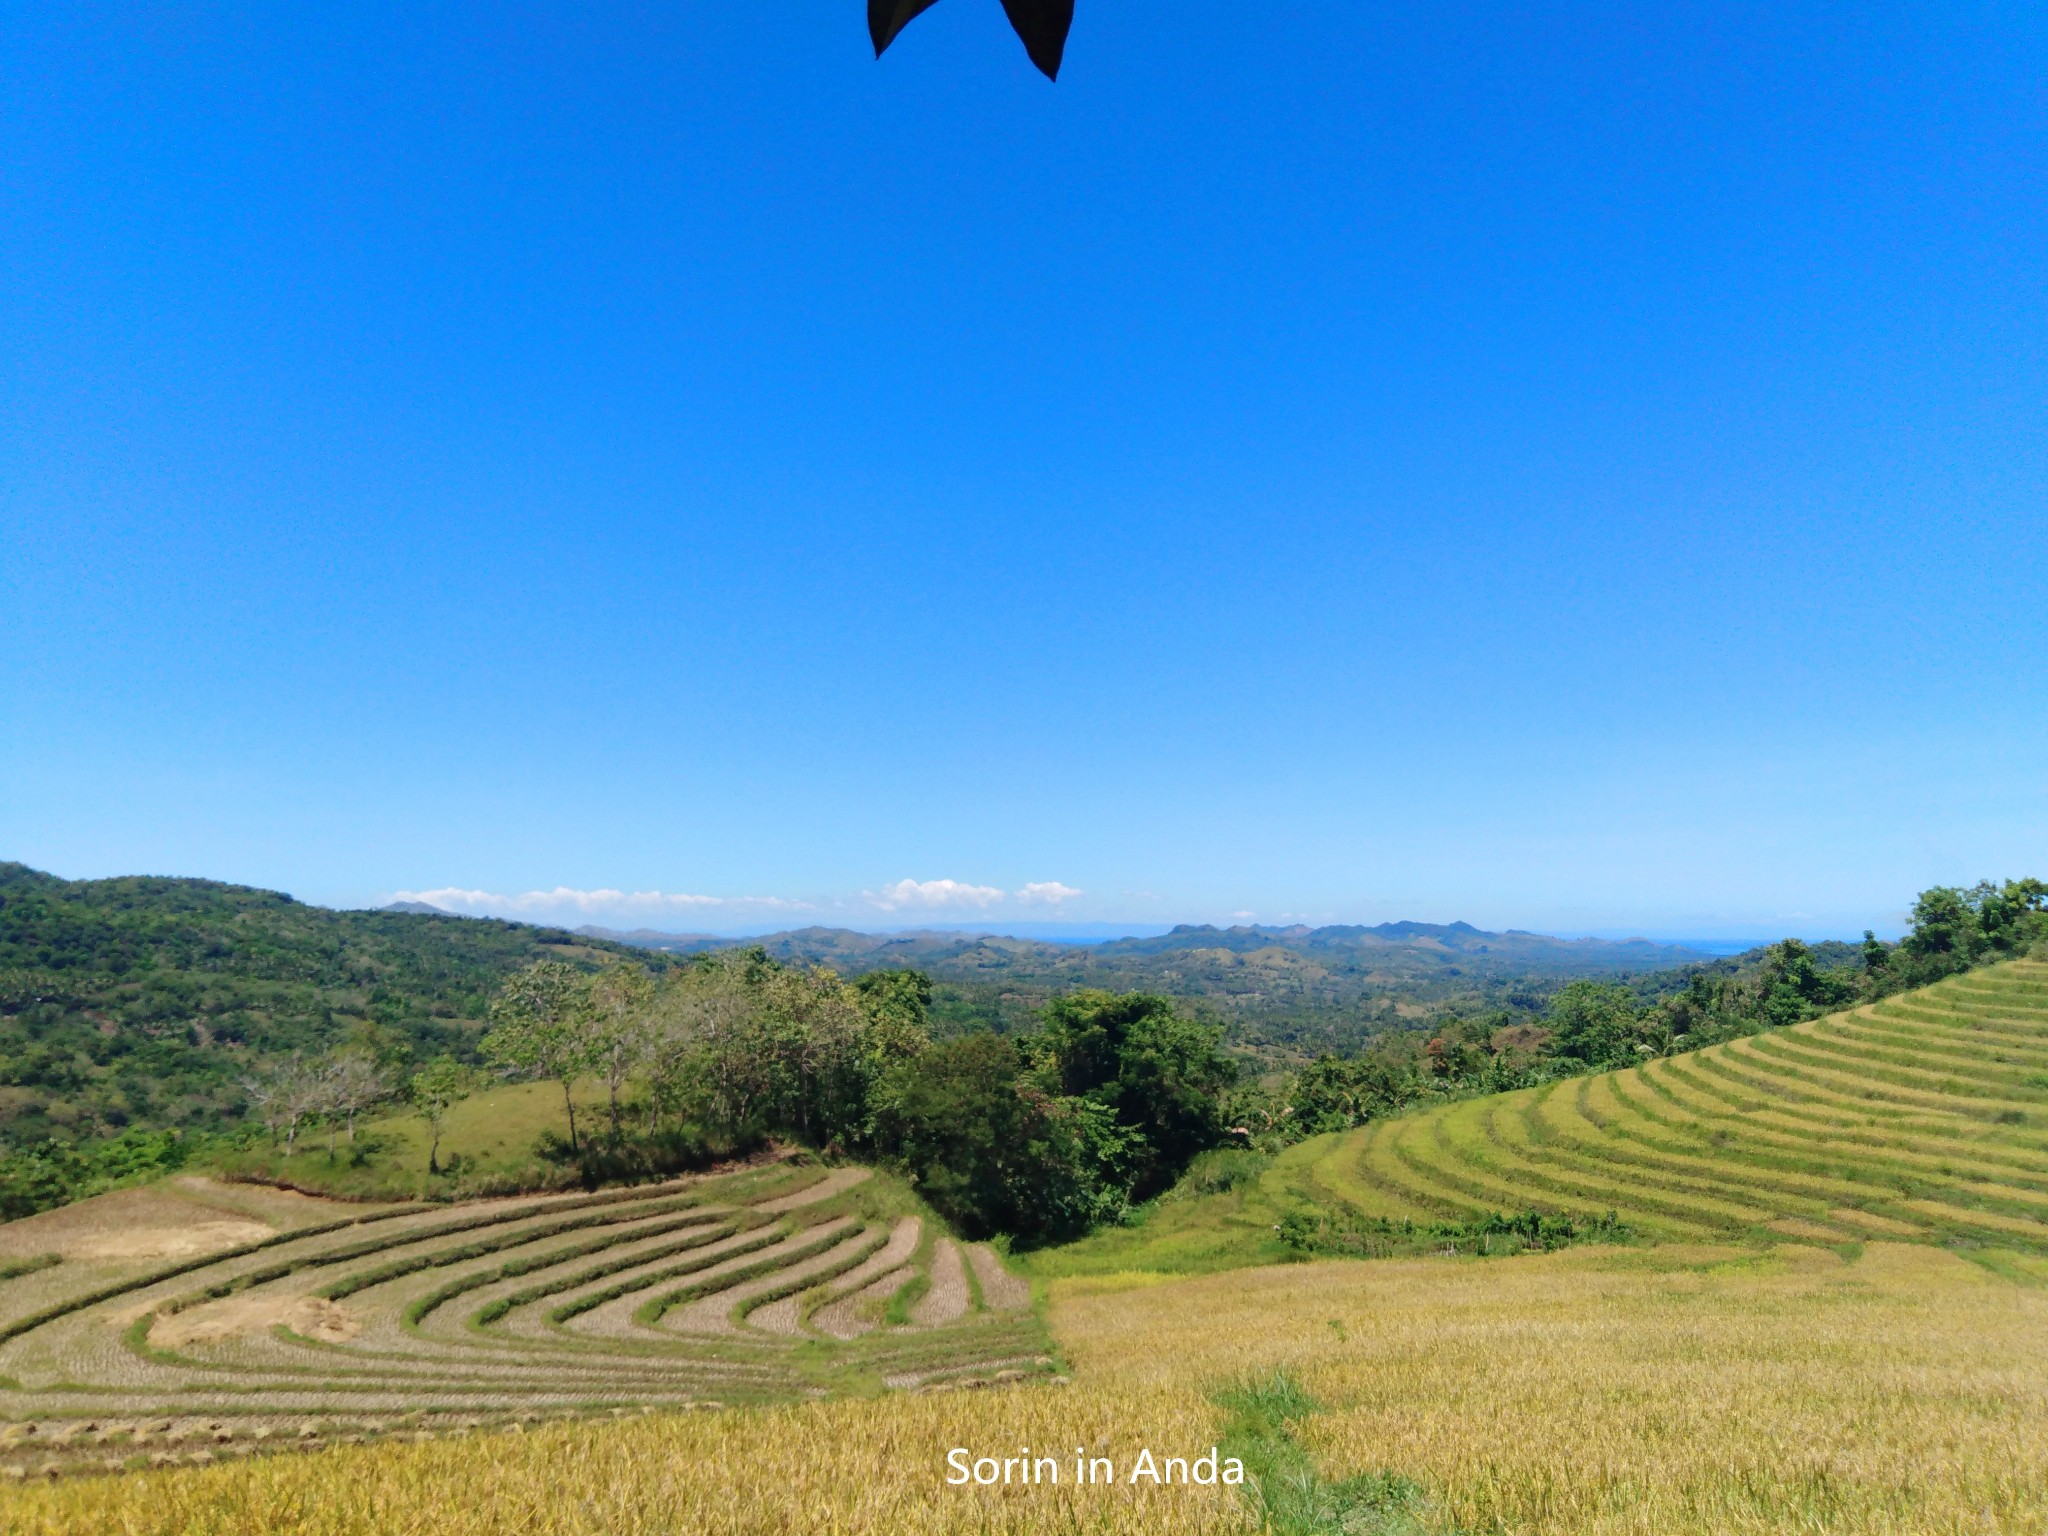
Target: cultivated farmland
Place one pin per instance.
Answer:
(1831, 1315)
(1924, 1116)
(174, 1330)
(1677, 1390)
(1921, 1118)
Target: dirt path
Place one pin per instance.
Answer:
(1001, 1291)
(946, 1301)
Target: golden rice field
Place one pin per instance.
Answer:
(1658, 1391)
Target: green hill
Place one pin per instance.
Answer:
(1922, 1117)
(141, 1001)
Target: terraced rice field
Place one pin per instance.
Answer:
(303, 1323)
(1923, 1117)
(1676, 1390)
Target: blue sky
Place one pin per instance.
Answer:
(1572, 467)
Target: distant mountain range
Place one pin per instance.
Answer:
(1447, 945)
(1287, 981)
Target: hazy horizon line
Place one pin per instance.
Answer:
(1099, 931)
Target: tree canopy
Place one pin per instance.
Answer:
(1160, 1075)
(1040, 1136)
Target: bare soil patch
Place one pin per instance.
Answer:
(313, 1316)
(145, 1223)
(265, 1202)
(182, 1217)
(777, 1317)
(172, 1242)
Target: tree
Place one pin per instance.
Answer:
(435, 1090)
(286, 1093)
(992, 1150)
(1792, 988)
(1956, 928)
(1163, 1076)
(266, 1094)
(540, 1027)
(902, 996)
(712, 1055)
(1041, 24)
(355, 1082)
(1594, 1022)
(1325, 1098)
(816, 1029)
(1332, 1094)
(621, 1001)
(1945, 936)
(2014, 917)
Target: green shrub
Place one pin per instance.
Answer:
(1218, 1172)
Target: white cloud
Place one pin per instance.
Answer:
(1050, 892)
(562, 898)
(933, 894)
(606, 903)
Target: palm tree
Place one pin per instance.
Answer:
(1042, 24)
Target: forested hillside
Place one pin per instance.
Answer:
(142, 1001)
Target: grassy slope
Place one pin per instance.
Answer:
(488, 1139)
(1923, 1117)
